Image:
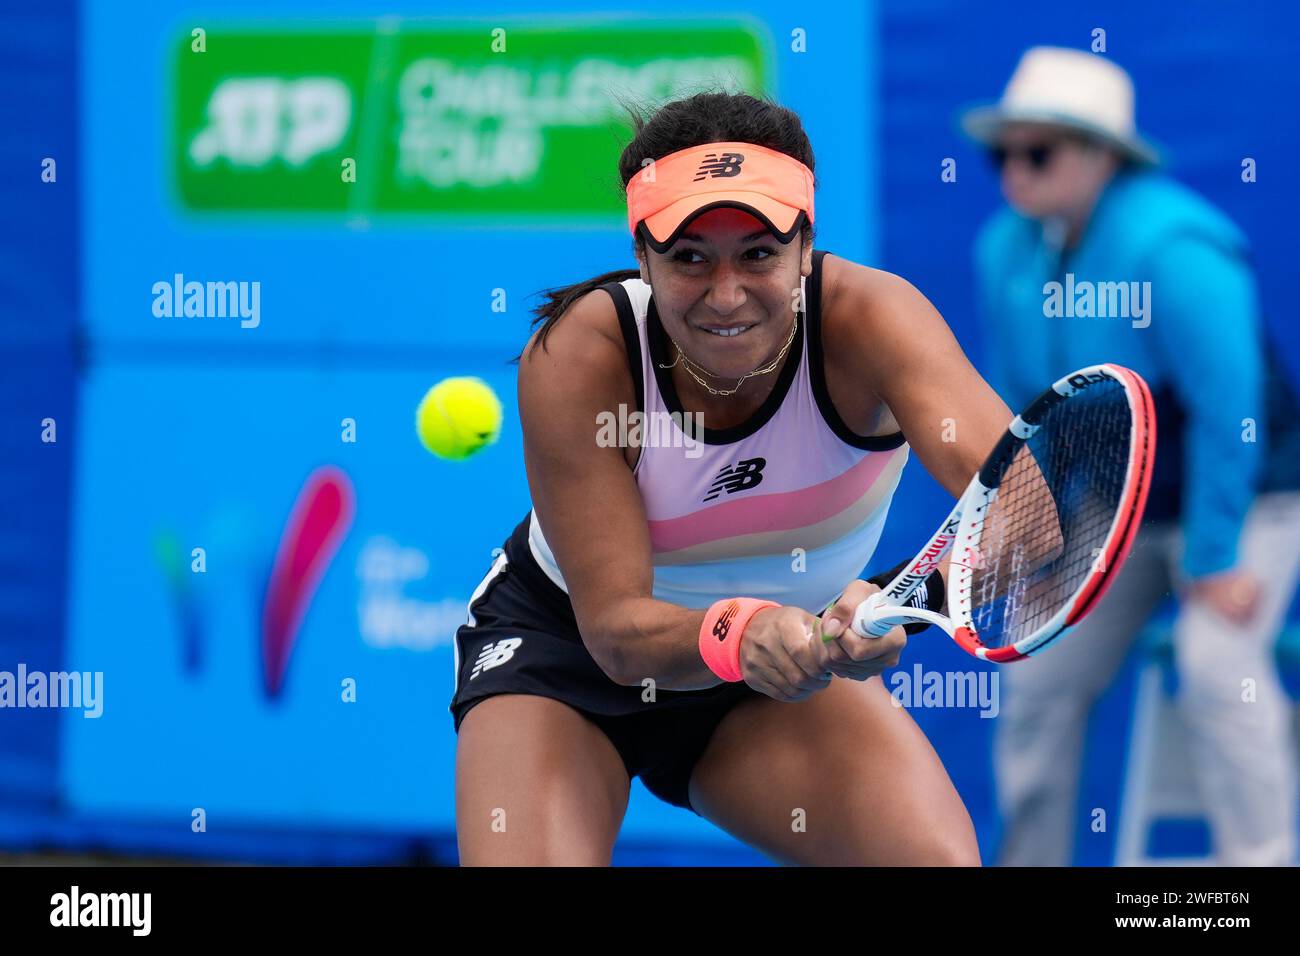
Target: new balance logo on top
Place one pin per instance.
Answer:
(719, 164)
(495, 654)
(746, 474)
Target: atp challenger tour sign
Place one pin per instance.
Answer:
(414, 117)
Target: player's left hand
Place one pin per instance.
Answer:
(853, 655)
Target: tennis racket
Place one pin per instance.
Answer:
(1043, 528)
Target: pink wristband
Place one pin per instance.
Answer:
(720, 634)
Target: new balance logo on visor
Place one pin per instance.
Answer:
(715, 165)
(494, 654)
(746, 474)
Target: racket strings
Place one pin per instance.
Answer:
(1046, 529)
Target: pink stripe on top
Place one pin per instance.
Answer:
(782, 511)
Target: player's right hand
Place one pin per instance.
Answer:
(782, 656)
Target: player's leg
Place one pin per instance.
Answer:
(1039, 733)
(843, 777)
(537, 784)
(1234, 704)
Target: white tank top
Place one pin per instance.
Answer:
(787, 506)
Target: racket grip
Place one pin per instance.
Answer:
(865, 619)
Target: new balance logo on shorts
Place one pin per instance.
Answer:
(746, 474)
(494, 654)
(719, 164)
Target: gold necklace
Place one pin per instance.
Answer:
(763, 370)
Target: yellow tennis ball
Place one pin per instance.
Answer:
(457, 417)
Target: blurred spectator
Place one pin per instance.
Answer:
(1103, 258)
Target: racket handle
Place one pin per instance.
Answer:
(875, 618)
(871, 617)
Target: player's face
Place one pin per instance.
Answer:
(727, 290)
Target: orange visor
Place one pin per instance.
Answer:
(773, 187)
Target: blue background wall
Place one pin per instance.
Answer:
(173, 428)
(39, 305)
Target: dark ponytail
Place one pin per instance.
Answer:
(710, 117)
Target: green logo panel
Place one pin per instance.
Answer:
(411, 118)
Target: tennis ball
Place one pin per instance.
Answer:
(457, 417)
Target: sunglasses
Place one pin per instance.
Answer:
(1038, 156)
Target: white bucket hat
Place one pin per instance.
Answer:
(1066, 89)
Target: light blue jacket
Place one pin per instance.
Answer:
(1198, 343)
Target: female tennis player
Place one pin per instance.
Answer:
(656, 613)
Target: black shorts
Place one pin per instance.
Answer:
(524, 640)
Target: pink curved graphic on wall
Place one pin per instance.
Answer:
(317, 525)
